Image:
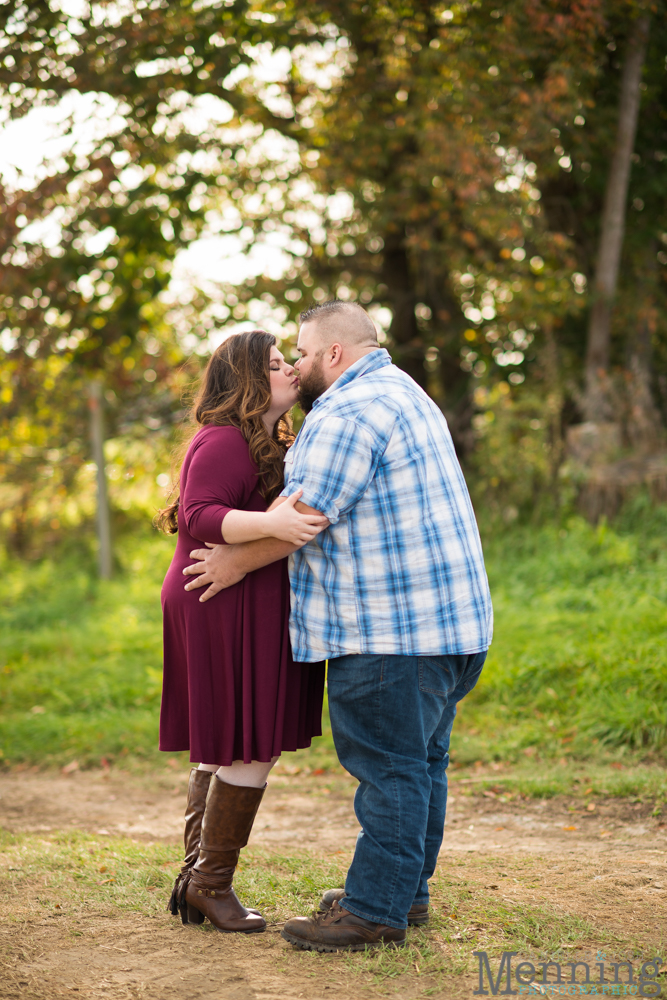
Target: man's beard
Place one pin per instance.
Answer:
(311, 386)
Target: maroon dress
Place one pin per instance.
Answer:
(231, 688)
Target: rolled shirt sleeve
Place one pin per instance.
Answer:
(333, 463)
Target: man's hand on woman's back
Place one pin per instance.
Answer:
(221, 566)
(218, 566)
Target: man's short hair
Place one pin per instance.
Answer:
(346, 320)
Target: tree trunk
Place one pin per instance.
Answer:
(97, 441)
(409, 345)
(643, 422)
(455, 396)
(597, 407)
(408, 351)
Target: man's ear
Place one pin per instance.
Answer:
(335, 355)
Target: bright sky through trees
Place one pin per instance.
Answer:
(32, 146)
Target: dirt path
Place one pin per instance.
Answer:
(317, 813)
(605, 863)
(148, 809)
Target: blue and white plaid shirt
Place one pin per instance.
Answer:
(400, 569)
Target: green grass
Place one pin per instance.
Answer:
(80, 659)
(120, 874)
(79, 876)
(576, 677)
(578, 666)
(587, 779)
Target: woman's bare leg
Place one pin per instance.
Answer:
(251, 775)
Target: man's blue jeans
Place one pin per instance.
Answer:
(392, 718)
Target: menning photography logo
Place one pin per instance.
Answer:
(568, 978)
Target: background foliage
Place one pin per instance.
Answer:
(443, 164)
(576, 671)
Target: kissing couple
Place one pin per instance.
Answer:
(356, 544)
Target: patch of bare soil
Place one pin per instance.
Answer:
(317, 813)
(605, 864)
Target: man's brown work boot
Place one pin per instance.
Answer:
(339, 930)
(418, 915)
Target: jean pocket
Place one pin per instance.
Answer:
(473, 671)
(435, 677)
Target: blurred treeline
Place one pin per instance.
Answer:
(444, 164)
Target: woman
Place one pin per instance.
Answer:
(232, 694)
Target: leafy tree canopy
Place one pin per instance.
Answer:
(445, 161)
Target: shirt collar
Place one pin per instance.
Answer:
(369, 363)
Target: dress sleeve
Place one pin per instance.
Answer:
(220, 478)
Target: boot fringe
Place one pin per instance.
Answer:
(198, 787)
(182, 905)
(176, 902)
(172, 905)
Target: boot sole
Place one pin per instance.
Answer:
(253, 930)
(314, 946)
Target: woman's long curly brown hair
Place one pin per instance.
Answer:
(235, 391)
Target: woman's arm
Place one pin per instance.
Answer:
(282, 521)
(220, 478)
(221, 566)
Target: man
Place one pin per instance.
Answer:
(394, 594)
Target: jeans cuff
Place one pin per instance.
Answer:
(421, 901)
(374, 919)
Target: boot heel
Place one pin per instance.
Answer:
(190, 915)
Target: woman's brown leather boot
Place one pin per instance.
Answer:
(194, 812)
(228, 819)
